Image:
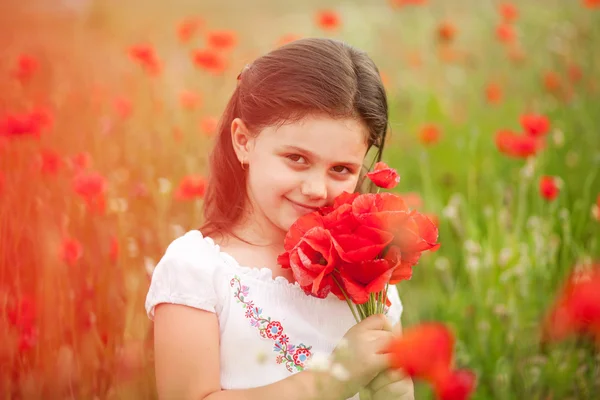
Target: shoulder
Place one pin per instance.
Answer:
(186, 274)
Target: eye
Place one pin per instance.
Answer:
(296, 158)
(340, 169)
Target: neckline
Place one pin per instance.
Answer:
(263, 273)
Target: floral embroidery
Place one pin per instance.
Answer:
(293, 357)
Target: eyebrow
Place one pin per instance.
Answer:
(313, 155)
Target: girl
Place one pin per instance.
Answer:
(229, 324)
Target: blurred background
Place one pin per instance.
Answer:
(107, 113)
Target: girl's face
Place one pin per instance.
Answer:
(298, 167)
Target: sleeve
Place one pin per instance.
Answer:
(395, 311)
(185, 275)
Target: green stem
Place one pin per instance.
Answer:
(347, 299)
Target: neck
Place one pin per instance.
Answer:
(259, 231)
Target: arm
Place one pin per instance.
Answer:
(187, 363)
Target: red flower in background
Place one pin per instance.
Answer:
(188, 28)
(535, 125)
(552, 81)
(113, 251)
(493, 93)
(506, 33)
(145, 55)
(189, 100)
(591, 3)
(446, 31)
(91, 186)
(456, 385)
(383, 176)
(191, 187)
(221, 40)
(518, 146)
(123, 107)
(209, 60)
(425, 352)
(27, 124)
(80, 161)
(70, 251)
(509, 12)
(49, 161)
(209, 125)
(401, 3)
(25, 68)
(549, 188)
(430, 134)
(328, 20)
(577, 307)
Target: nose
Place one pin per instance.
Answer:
(314, 187)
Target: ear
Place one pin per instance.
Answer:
(241, 139)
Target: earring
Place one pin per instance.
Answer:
(243, 164)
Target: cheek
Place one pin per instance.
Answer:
(270, 180)
(338, 187)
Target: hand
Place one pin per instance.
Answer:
(391, 385)
(360, 353)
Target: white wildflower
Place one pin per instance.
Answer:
(149, 265)
(319, 362)
(558, 137)
(340, 372)
(473, 263)
(132, 247)
(472, 247)
(442, 264)
(505, 256)
(164, 185)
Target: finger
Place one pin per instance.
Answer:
(376, 322)
(389, 377)
(380, 362)
(401, 390)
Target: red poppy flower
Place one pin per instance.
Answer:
(383, 176)
(591, 3)
(455, 385)
(209, 60)
(518, 146)
(30, 123)
(446, 31)
(70, 251)
(401, 3)
(209, 125)
(26, 68)
(509, 12)
(49, 162)
(191, 187)
(189, 100)
(145, 56)
(401, 263)
(80, 161)
(575, 73)
(328, 20)
(577, 307)
(362, 279)
(340, 220)
(506, 33)
(549, 188)
(23, 313)
(423, 351)
(535, 125)
(312, 260)
(345, 198)
(416, 234)
(188, 28)
(221, 40)
(123, 106)
(380, 210)
(429, 134)
(552, 81)
(363, 244)
(493, 93)
(91, 186)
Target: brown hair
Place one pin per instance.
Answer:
(304, 77)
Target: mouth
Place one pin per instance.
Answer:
(303, 208)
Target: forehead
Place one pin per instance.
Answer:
(332, 139)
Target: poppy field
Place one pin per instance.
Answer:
(108, 111)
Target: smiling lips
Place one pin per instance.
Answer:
(302, 208)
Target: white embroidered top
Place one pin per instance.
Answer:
(269, 327)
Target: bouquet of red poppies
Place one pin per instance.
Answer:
(359, 246)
